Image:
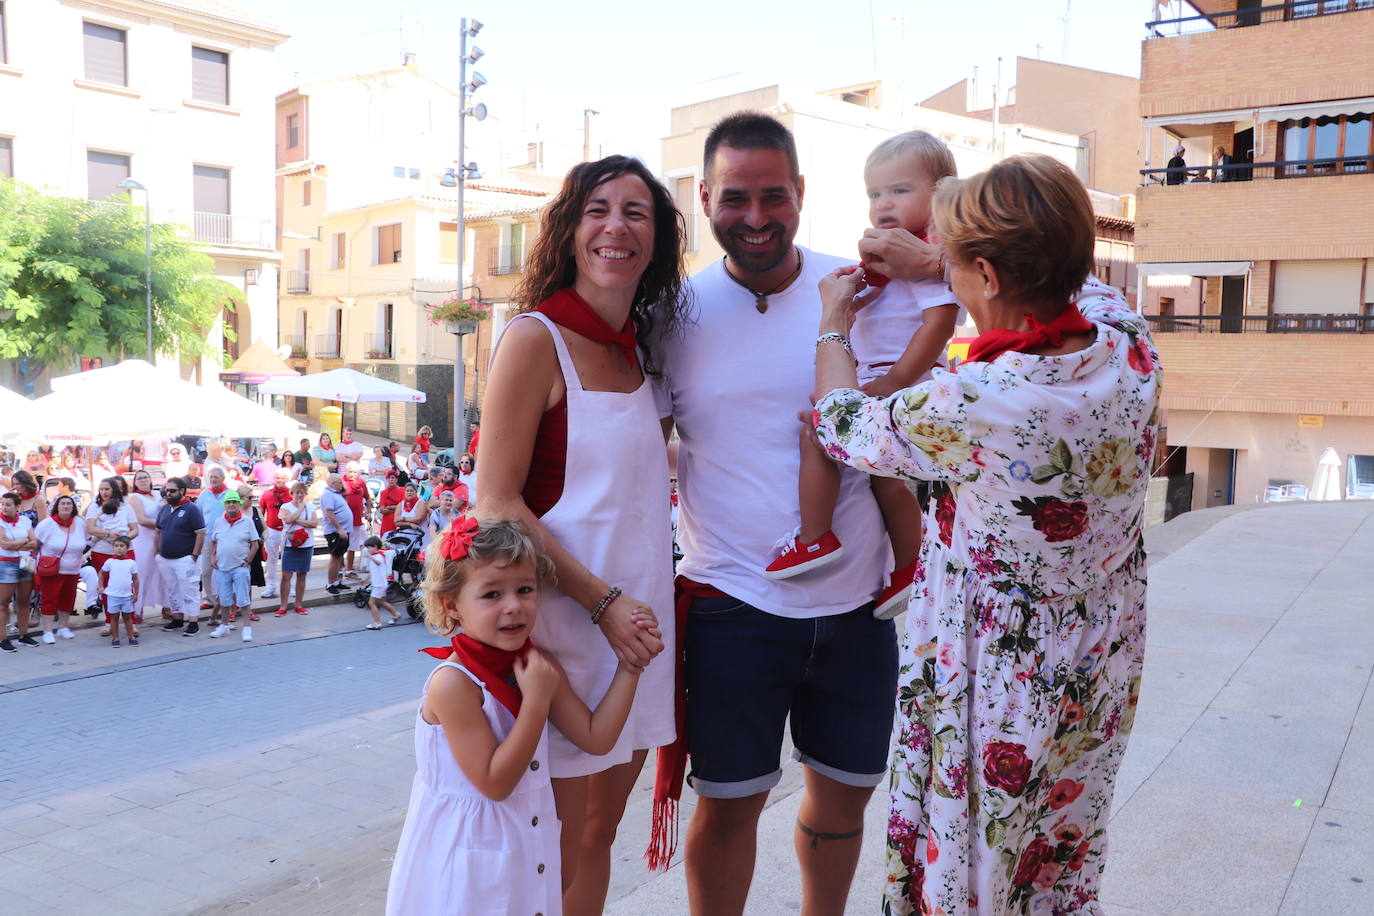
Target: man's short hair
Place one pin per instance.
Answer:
(177, 482)
(929, 151)
(747, 130)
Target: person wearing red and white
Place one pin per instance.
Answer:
(102, 527)
(146, 505)
(387, 502)
(412, 513)
(449, 482)
(17, 544)
(422, 445)
(271, 502)
(359, 500)
(299, 520)
(61, 535)
(348, 449)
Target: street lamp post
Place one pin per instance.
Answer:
(458, 177)
(130, 185)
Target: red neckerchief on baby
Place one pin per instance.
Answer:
(987, 347)
(873, 278)
(570, 310)
(494, 667)
(671, 769)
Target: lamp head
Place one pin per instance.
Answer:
(471, 172)
(475, 54)
(474, 27)
(477, 82)
(450, 179)
(478, 111)
(128, 184)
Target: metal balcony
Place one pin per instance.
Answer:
(297, 344)
(377, 346)
(1243, 18)
(327, 346)
(297, 281)
(502, 263)
(1248, 171)
(1314, 323)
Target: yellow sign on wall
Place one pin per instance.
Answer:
(1311, 421)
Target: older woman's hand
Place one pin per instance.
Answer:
(838, 289)
(622, 625)
(898, 253)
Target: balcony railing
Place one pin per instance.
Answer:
(501, 263)
(1247, 171)
(1262, 324)
(226, 229)
(377, 346)
(1241, 18)
(297, 344)
(297, 281)
(327, 346)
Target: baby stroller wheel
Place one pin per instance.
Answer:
(360, 597)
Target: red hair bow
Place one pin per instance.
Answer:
(458, 538)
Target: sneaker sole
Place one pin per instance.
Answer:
(894, 605)
(800, 568)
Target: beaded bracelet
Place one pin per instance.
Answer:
(606, 601)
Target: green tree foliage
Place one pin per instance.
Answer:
(72, 275)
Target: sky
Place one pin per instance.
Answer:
(546, 61)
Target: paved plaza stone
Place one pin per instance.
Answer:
(272, 777)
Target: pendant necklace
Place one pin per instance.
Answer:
(761, 299)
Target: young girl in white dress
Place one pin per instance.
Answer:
(481, 834)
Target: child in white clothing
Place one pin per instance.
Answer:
(377, 562)
(901, 329)
(119, 584)
(481, 834)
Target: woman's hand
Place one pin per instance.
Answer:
(897, 253)
(633, 645)
(838, 289)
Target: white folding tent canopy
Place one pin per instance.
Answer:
(348, 385)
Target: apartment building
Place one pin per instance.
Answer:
(368, 218)
(174, 94)
(1258, 264)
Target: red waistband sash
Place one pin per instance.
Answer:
(987, 347)
(493, 667)
(671, 769)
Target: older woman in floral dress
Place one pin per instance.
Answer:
(1025, 637)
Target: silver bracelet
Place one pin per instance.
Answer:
(838, 338)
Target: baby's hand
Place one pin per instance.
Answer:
(645, 619)
(536, 676)
(882, 386)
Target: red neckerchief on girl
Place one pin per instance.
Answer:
(873, 278)
(987, 347)
(570, 310)
(495, 668)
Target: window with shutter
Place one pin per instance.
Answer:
(293, 131)
(340, 250)
(6, 157)
(389, 244)
(211, 189)
(106, 61)
(104, 172)
(305, 193)
(210, 75)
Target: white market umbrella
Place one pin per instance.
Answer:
(16, 417)
(134, 400)
(347, 385)
(1327, 484)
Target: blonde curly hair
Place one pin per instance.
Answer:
(501, 541)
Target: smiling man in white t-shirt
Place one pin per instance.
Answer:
(761, 652)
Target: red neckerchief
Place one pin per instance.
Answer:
(283, 495)
(10, 518)
(570, 310)
(873, 278)
(220, 489)
(987, 347)
(671, 769)
(495, 668)
(58, 519)
(406, 507)
(233, 522)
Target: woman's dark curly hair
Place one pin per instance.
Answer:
(552, 264)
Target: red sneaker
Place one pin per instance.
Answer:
(301, 610)
(281, 612)
(892, 600)
(798, 557)
(252, 618)
(233, 616)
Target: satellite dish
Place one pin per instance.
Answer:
(284, 351)
(479, 111)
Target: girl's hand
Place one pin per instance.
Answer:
(838, 289)
(537, 677)
(632, 645)
(645, 619)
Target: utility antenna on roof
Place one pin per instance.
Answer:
(1064, 54)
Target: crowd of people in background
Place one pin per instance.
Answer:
(193, 526)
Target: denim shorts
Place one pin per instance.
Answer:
(232, 586)
(11, 573)
(749, 671)
(119, 604)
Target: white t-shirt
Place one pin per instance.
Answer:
(734, 380)
(379, 569)
(68, 543)
(154, 449)
(124, 521)
(884, 327)
(121, 581)
(349, 451)
(17, 530)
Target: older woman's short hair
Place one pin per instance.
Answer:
(1028, 216)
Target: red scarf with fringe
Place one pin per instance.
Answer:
(987, 347)
(495, 668)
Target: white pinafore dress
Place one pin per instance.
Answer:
(613, 517)
(461, 852)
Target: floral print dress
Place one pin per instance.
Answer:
(1025, 635)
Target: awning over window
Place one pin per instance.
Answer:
(1194, 269)
(1316, 110)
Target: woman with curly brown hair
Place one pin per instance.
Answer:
(568, 399)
